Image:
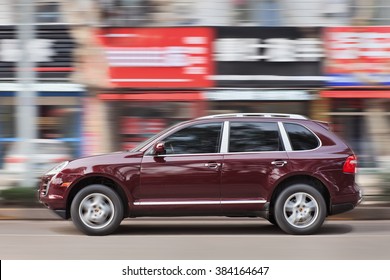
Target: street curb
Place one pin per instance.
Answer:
(359, 213)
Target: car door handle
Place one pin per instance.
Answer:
(279, 163)
(212, 164)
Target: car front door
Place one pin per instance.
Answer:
(255, 159)
(185, 180)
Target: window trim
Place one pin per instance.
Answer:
(162, 137)
(224, 148)
(285, 138)
(282, 142)
(225, 138)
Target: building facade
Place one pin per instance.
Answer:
(115, 72)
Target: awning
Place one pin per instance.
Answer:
(153, 96)
(355, 93)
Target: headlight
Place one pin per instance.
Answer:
(57, 168)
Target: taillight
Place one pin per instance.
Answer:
(350, 164)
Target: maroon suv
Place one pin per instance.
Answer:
(285, 168)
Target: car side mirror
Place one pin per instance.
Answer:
(159, 149)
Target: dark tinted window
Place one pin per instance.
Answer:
(254, 137)
(300, 137)
(200, 138)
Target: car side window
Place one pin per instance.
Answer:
(254, 137)
(196, 139)
(300, 137)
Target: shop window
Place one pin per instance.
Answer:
(47, 12)
(128, 12)
(355, 130)
(140, 120)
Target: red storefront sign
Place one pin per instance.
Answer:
(355, 94)
(153, 96)
(358, 56)
(158, 57)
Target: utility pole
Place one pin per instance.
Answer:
(26, 96)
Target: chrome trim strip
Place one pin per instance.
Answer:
(285, 139)
(225, 137)
(219, 153)
(178, 155)
(205, 202)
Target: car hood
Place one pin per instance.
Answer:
(116, 158)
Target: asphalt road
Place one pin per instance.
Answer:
(194, 238)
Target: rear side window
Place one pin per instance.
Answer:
(254, 137)
(300, 137)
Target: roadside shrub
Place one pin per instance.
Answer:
(23, 196)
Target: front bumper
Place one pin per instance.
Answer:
(52, 197)
(61, 213)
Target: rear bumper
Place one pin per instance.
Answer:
(352, 201)
(341, 208)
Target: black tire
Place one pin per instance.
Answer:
(272, 220)
(97, 210)
(300, 209)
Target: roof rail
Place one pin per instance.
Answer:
(264, 115)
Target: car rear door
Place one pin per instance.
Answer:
(255, 159)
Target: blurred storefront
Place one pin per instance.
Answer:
(260, 13)
(358, 71)
(155, 77)
(151, 78)
(59, 114)
(266, 69)
(259, 100)
(140, 78)
(58, 102)
(137, 116)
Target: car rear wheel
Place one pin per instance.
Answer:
(97, 210)
(300, 209)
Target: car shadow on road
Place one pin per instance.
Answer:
(332, 229)
(200, 227)
(218, 229)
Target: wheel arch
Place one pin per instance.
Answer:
(301, 179)
(100, 180)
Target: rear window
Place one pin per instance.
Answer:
(300, 137)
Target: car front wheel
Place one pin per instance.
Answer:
(97, 210)
(300, 209)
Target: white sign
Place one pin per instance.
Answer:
(39, 50)
(275, 95)
(272, 49)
